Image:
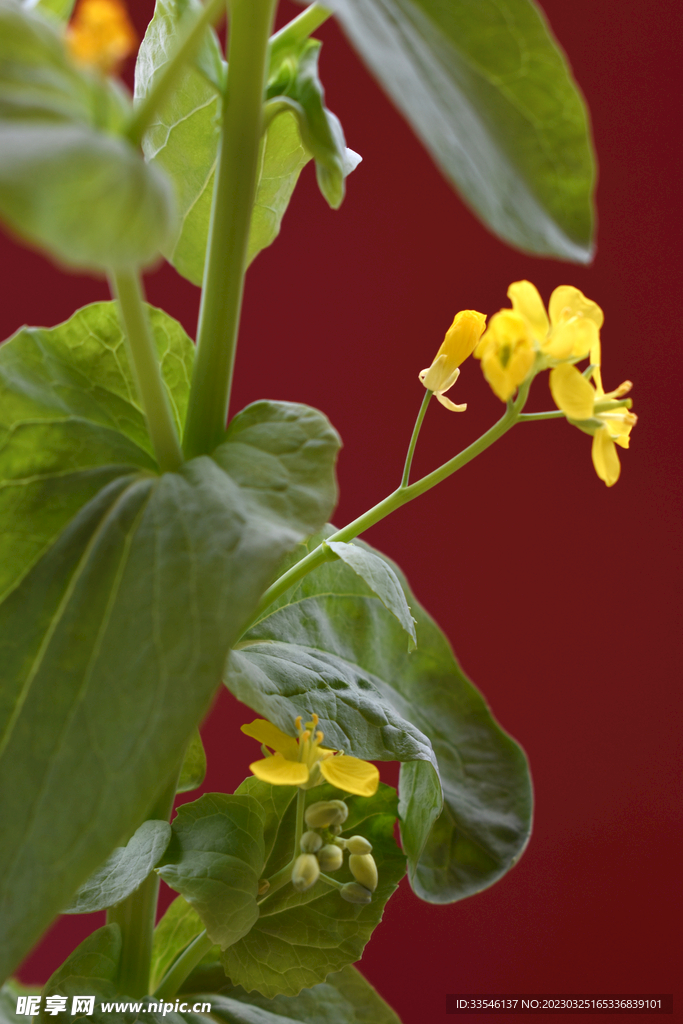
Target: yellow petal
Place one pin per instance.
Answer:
(572, 339)
(572, 392)
(278, 771)
(446, 402)
(605, 458)
(439, 376)
(567, 301)
(351, 774)
(462, 336)
(101, 35)
(276, 739)
(528, 303)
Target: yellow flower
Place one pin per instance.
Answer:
(459, 343)
(304, 763)
(507, 353)
(604, 416)
(570, 329)
(101, 35)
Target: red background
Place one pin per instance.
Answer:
(557, 593)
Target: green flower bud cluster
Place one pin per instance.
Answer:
(322, 849)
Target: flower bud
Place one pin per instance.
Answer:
(325, 813)
(310, 842)
(364, 869)
(358, 844)
(352, 892)
(336, 830)
(330, 858)
(305, 872)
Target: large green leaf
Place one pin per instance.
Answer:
(330, 646)
(215, 861)
(121, 593)
(488, 91)
(343, 998)
(124, 870)
(300, 938)
(63, 155)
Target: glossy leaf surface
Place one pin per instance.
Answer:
(486, 88)
(62, 155)
(124, 870)
(121, 593)
(330, 646)
(215, 862)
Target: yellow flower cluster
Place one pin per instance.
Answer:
(521, 341)
(101, 35)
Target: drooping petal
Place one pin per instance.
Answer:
(572, 392)
(269, 734)
(437, 376)
(446, 402)
(605, 458)
(462, 336)
(528, 303)
(567, 302)
(351, 774)
(278, 771)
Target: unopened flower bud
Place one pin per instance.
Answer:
(324, 813)
(358, 844)
(305, 872)
(311, 842)
(336, 830)
(364, 869)
(352, 892)
(330, 858)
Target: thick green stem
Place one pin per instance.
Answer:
(233, 201)
(183, 967)
(399, 497)
(299, 28)
(165, 80)
(136, 916)
(145, 364)
(413, 440)
(529, 417)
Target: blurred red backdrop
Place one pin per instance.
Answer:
(558, 594)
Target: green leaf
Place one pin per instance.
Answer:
(343, 998)
(62, 155)
(124, 870)
(92, 968)
(8, 1001)
(381, 579)
(194, 766)
(295, 81)
(216, 860)
(120, 595)
(178, 927)
(490, 94)
(300, 938)
(330, 646)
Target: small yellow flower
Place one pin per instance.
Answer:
(305, 763)
(459, 343)
(101, 35)
(507, 353)
(570, 329)
(605, 416)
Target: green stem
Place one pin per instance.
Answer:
(279, 879)
(299, 28)
(330, 881)
(164, 81)
(413, 440)
(127, 288)
(183, 966)
(136, 916)
(529, 417)
(300, 811)
(399, 497)
(233, 201)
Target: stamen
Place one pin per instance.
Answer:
(297, 722)
(319, 736)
